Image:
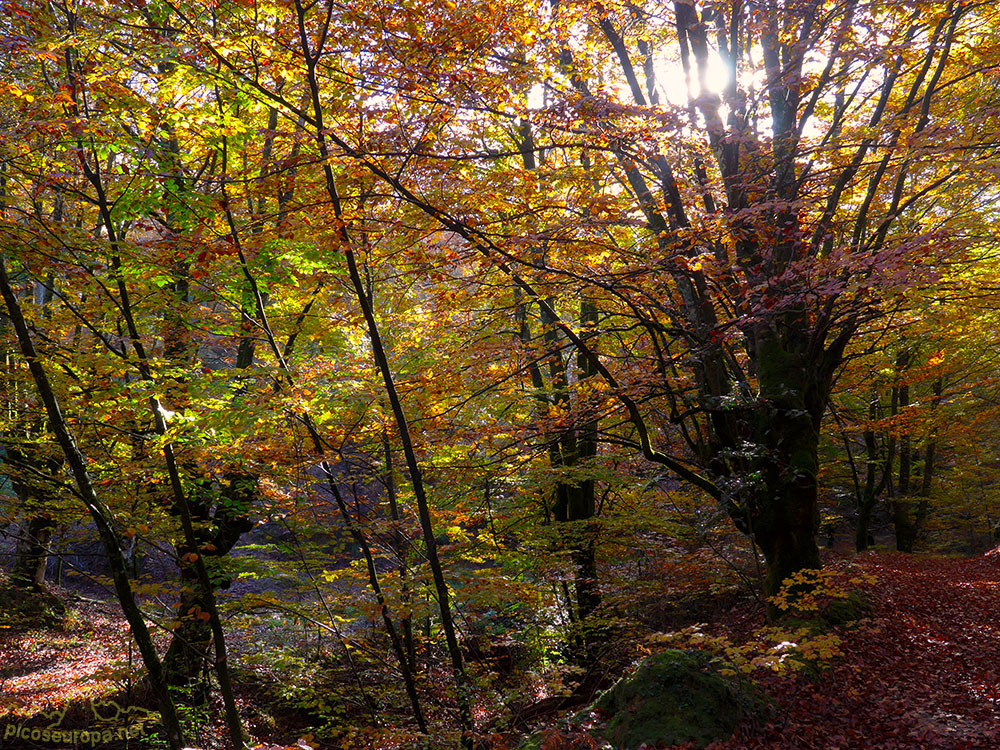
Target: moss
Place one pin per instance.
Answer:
(841, 612)
(676, 697)
(812, 625)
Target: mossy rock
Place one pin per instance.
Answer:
(23, 607)
(677, 697)
(850, 609)
(811, 625)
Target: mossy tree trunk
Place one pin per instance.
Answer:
(218, 529)
(784, 513)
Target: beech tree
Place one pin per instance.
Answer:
(532, 235)
(799, 218)
(734, 241)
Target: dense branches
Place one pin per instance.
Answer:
(522, 244)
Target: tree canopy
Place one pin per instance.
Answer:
(478, 308)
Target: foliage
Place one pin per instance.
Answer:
(914, 657)
(25, 610)
(510, 319)
(812, 593)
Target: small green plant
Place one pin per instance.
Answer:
(791, 648)
(811, 601)
(813, 593)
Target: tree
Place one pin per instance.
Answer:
(744, 239)
(245, 231)
(925, 370)
(99, 512)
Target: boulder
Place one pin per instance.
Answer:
(677, 697)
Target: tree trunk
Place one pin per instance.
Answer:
(785, 521)
(582, 504)
(189, 650)
(32, 552)
(904, 521)
(33, 474)
(903, 506)
(401, 547)
(910, 513)
(866, 503)
(184, 662)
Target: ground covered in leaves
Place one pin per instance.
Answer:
(921, 670)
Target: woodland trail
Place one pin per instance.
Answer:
(923, 671)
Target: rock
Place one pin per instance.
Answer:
(677, 697)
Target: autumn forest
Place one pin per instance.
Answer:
(499, 375)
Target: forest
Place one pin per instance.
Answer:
(499, 375)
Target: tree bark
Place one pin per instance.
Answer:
(32, 553)
(910, 512)
(784, 518)
(190, 645)
(871, 492)
(903, 515)
(401, 547)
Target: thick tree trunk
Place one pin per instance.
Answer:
(184, 662)
(785, 521)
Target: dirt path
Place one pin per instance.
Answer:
(923, 673)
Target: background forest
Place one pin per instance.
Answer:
(405, 371)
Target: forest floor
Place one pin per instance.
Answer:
(921, 670)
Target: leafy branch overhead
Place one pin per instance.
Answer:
(491, 326)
